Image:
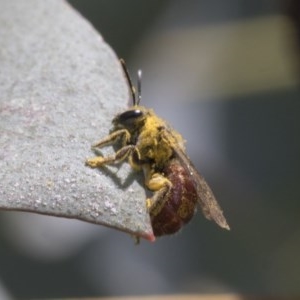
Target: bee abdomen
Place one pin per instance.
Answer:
(180, 204)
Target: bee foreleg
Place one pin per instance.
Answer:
(122, 134)
(161, 187)
(125, 152)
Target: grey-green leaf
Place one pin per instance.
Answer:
(60, 86)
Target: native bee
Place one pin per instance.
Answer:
(151, 145)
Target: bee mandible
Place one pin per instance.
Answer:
(149, 144)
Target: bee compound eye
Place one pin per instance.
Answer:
(130, 115)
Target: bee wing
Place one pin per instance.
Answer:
(206, 199)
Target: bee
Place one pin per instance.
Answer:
(149, 144)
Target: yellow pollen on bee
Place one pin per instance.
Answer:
(95, 161)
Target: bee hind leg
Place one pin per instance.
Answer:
(161, 187)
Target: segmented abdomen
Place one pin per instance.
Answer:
(180, 206)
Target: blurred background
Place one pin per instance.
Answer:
(225, 75)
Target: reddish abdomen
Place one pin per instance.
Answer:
(180, 206)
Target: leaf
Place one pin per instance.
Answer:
(60, 86)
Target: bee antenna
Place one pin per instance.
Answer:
(139, 86)
(132, 89)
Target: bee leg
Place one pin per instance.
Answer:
(119, 156)
(98, 161)
(136, 239)
(161, 187)
(112, 138)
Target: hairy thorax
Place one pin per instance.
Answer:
(153, 144)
